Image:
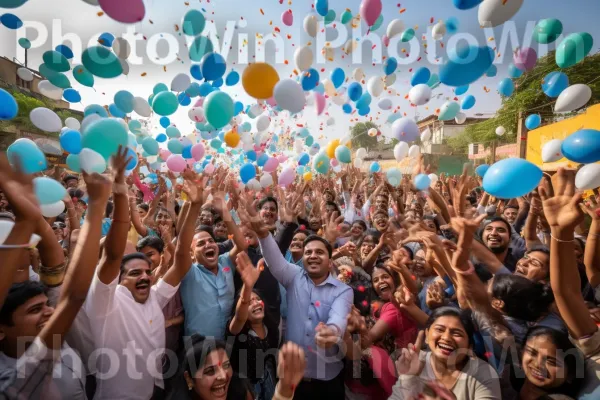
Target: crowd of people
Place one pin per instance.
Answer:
(159, 286)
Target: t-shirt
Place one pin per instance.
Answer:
(402, 327)
(590, 347)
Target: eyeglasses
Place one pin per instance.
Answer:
(533, 261)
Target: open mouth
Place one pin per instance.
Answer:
(313, 263)
(219, 390)
(445, 348)
(296, 246)
(257, 311)
(537, 374)
(210, 254)
(383, 287)
(494, 241)
(143, 287)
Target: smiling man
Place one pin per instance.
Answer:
(498, 238)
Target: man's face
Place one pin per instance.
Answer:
(220, 230)
(328, 196)
(510, 214)
(268, 213)
(152, 254)
(206, 251)
(496, 236)
(534, 266)
(330, 209)
(28, 320)
(71, 183)
(357, 230)
(206, 218)
(314, 223)
(316, 259)
(137, 277)
(297, 244)
(381, 202)
(59, 231)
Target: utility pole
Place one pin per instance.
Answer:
(522, 132)
(493, 152)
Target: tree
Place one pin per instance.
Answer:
(360, 137)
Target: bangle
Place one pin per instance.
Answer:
(121, 221)
(561, 241)
(15, 246)
(120, 188)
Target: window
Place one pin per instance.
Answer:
(23, 84)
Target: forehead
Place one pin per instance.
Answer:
(40, 298)
(539, 255)
(315, 245)
(300, 236)
(135, 264)
(419, 253)
(496, 225)
(379, 272)
(148, 249)
(215, 357)
(269, 204)
(450, 322)
(202, 236)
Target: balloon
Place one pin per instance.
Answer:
(390, 65)
(337, 77)
(375, 86)
(213, 66)
(378, 23)
(358, 163)
(452, 25)
(375, 167)
(128, 13)
(8, 106)
(176, 163)
(582, 146)
(141, 107)
(232, 78)
(124, 101)
(346, 16)
(372, 132)
(45, 119)
(407, 35)
(554, 83)
(466, 4)
(95, 109)
(271, 165)
(460, 118)
(175, 146)
(572, 98)
(552, 151)
(193, 23)
(218, 108)
(180, 82)
(414, 151)
(500, 131)
(309, 79)
(511, 178)
(394, 177)
(322, 7)
(426, 135)
(420, 76)
(48, 191)
(201, 47)
(72, 95)
(422, 182)
(533, 121)
(173, 132)
(310, 25)
(358, 74)
(466, 64)
(88, 120)
(419, 94)
(198, 151)
(330, 17)
(247, 172)
(104, 136)
(73, 163)
(394, 28)
(32, 159)
(439, 30)
(11, 21)
(493, 13)
(481, 170)
(321, 163)
(514, 72)
(101, 62)
(461, 90)
(468, 102)
(364, 101)
(354, 91)
(400, 151)
(573, 49)
(165, 103)
(59, 80)
(150, 146)
(303, 57)
(525, 59)
(547, 30)
(122, 48)
(72, 123)
(506, 87)
(588, 177)
(343, 155)
(289, 96)
(492, 71)
(70, 141)
(25, 74)
(385, 104)
(83, 76)
(106, 39)
(405, 129)
(448, 111)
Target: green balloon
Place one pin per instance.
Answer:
(193, 23)
(321, 163)
(547, 30)
(60, 80)
(201, 46)
(407, 35)
(135, 126)
(346, 16)
(102, 62)
(330, 17)
(165, 103)
(56, 61)
(218, 109)
(73, 163)
(434, 81)
(83, 76)
(104, 136)
(377, 23)
(573, 49)
(25, 43)
(160, 87)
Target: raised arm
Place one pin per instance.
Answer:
(135, 217)
(52, 255)
(249, 276)
(591, 257)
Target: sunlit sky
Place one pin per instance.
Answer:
(76, 18)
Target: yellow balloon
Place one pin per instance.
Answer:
(331, 148)
(232, 138)
(307, 176)
(259, 80)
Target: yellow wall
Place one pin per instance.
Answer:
(537, 138)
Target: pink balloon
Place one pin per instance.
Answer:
(525, 59)
(370, 11)
(334, 162)
(199, 102)
(271, 101)
(164, 153)
(198, 151)
(320, 103)
(210, 168)
(287, 176)
(176, 163)
(127, 12)
(386, 40)
(271, 164)
(287, 18)
(282, 158)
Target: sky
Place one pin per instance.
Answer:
(251, 17)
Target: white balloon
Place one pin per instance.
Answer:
(181, 82)
(45, 119)
(394, 28)
(311, 24)
(414, 151)
(339, 99)
(434, 178)
(124, 66)
(329, 88)
(496, 12)
(460, 118)
(375, 86)
(372, 132)
(588, 177)
(303, 57)
(439, 30)
(331, 121)
(358, 162)
(361, 153)
(401, 151)
(6, 226)
(88, 120)
(72, 123)
(426, 135)
(500, 131)
(390, 79)
(350, 46)
(289, 96)
(253, 185)
(420, 95)
(196, 114)
(52, 210)
(328, 52)
(49, 90)
(25, 74)
(90, 161)
(572, 98)
(255, 110)
(263, 122)
(266, 180)
(141, 107)
(358, 74)
(552, 151)
(121, 48)
(385, 104)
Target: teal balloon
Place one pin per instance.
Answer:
(407, 35)
(47, 190)
(159, 88)
(165, 103)
(175, 146)
(247, 172)
(124, 101)
(83, 76)
(101, 62)
(330, 17)
(449, 112)
(343, 154)
(104, 136)
(135, 125)
(56, 61)
(173, 132)
(573, 49)
(422, 182)
(193, 23)
(193, 90)
(377, 23)
(60, 80)
(346, 16)
(434, 81)
(492, 71)
(25, 151)
(308, 141)
(511, 178)
(321, 163)
(200, 47)
(218, 109)
(25, 43)
(95, 109)
(115, 111)
(533, 121)
(73, 163)
(8, 106)
(506, 87)
(393, 177)
(514, 72)
(150, 146)
(216, 144)
(547, 30)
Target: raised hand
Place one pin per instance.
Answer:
(246, 269)
(290, 368)
(99, 187)
(404, 297)
(458, 192)
(561, 201)
(194, 190)
(18, 190)
(435, 296)
(251, 214)
(119, 163)
(332, 230)
(409, 362)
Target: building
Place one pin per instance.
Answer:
(441, 130)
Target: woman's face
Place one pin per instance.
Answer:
(220, 230)
(383, 283)
(430, 225)
(297, 245)
(420, 267)
(357, 230)
(142, 212)
(448, 339)
(256, 310)
(212, 380)
(163, 218)
(367, 246)
(541, 364)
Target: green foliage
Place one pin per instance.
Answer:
(360, 138)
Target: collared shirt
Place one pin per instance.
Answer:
(208, 298)
(308, 305)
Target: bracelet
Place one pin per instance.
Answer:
(120, 188)
(15, 246)
(121, 221)
(561, 241)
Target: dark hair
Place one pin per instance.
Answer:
(303, 231)
(410, 252)
(18, 295)
(523, 299)
(151, 241)
(465, 317)
(110, 206)
(435, 222)
(394, 276)
(69, 178)
(332, 204)
(497, 219)
(207, 229)
(540, 249)
(268, 199)
(313, 238)
(511, 206)
(217, 220)
(130, 257)
(361, 223)
(144, 206)
(76, 193)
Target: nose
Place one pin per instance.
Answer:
(221, 373)
(48, 310)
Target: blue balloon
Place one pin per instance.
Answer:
(31, 157)
(217, 83)
(468, 102)
(116, 111)
(421, 76)
(422, 182)
(95, 109)
(320, 88)
(164, 122)
(452, 25)
(582, 146)
(125, 101)
(375, 167)
(251, 155)
(73, 163)
(184, 99)
(492, 71)
(11, 21)
(304, 159)
(506, 87)
(232, 78)
(364, 111)
(205, 89)
(310, 79)
(514, 72)
(511, 178)
(364, 101)
(47, 190)
(196, 72)
(481, 170)
(213, 66)
(8, 106)
(347, 108)
(161, 138)
(466, 64)
(247, 172)
(262, 160)
(134, 160)
(187, 152)
(338, 76)
(355, 90)
(555, 83)
(322, 7)
(65, 51)
(106, 39)
(461, 90)
(533, 121)
(238, 107)
(193, 90)
(390, 65)
(466, 4)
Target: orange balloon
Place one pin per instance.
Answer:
(232, 138)
(259, 80)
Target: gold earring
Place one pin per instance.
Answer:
(190, 386)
